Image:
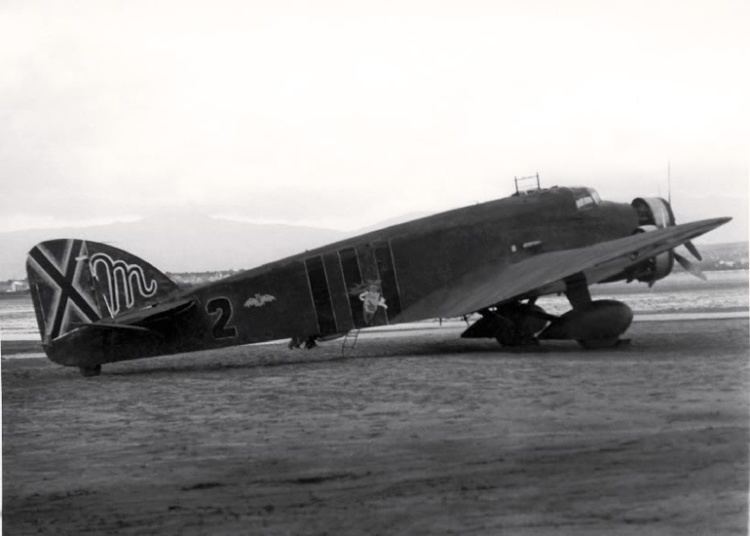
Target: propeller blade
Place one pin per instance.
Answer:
(690, 267)
(693, 250)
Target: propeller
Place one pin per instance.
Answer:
(693, 250)
(689, 266)
(685, 263)
(657, 213)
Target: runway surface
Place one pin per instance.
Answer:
(420, 433)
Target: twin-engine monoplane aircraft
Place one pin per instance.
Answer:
(98, 304)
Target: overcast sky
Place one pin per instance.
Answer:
(340, 114)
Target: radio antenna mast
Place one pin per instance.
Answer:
(669, 182)
(527, 177)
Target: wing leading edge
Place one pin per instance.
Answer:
(492, 284)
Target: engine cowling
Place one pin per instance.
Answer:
(653, 213)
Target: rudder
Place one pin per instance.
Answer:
(76, 282)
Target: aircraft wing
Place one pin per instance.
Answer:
(543, 273)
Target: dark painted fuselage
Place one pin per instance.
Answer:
(327, 290)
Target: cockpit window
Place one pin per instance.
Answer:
(586, 198)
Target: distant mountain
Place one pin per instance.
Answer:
(199, 243)
(178, 243)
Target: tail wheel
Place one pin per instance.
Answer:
(88, 372)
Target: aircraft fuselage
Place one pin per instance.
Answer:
(367, 280)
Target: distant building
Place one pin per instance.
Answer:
(14, 285)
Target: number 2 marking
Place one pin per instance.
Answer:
(222, 306)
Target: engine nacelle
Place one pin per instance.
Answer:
(653, 268)
(599, 321)
(653, 213)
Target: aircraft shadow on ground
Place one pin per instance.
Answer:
(252, 357)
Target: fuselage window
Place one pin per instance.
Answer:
(585, 202)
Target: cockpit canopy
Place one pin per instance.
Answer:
(585, 198)
(582, 198)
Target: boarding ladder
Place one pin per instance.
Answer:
(352, 335)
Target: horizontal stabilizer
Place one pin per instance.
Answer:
(131, 321)
(116, 327)
(154, 312)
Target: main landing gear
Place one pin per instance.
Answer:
(512, 324)
(593, 324)
(297, 342)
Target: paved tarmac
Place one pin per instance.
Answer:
(416, 433)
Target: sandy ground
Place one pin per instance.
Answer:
(420, 433)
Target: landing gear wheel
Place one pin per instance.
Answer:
(88, 372)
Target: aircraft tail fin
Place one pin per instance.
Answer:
(75, 282)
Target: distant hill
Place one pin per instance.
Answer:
(723, 256)
(189, 243)
(183, 243)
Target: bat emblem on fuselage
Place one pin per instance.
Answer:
(259, 300)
